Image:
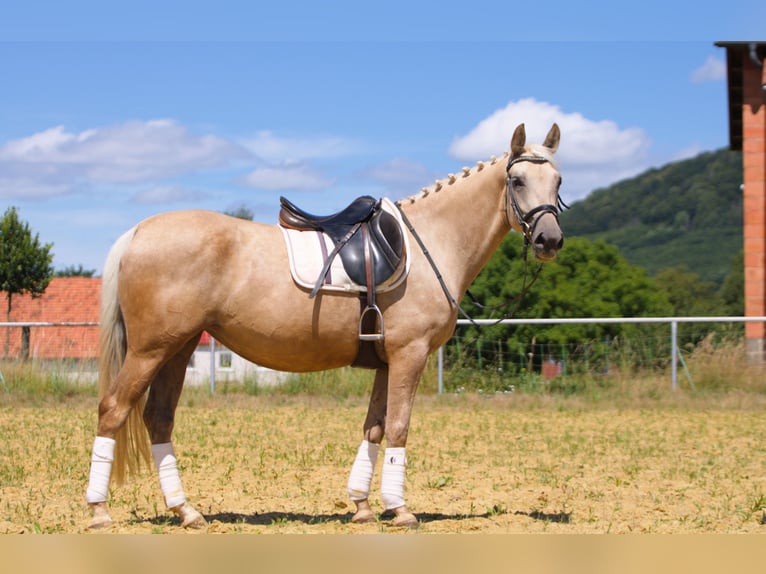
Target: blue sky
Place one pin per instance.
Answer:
(112, 112)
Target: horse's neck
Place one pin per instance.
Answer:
(463, 223)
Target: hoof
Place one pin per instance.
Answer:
(364, 514)
(363, 517)
(99, 523)
(190, 518)
(101, 518)
(404, 518)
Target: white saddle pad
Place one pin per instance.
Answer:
(307, 258)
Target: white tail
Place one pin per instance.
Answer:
(132, 441)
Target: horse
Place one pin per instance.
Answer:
(177, 274)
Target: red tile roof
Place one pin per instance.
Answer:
(67, 299)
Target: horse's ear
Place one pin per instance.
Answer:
(518, 140)
(553, 137)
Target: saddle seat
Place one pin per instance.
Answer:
(336, 224)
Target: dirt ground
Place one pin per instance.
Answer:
(280, 465)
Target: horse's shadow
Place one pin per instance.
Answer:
(554, 517)
(276, 517)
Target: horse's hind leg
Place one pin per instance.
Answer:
(364, 464)
(159, 417)
(114, 408)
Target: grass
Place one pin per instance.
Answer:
(25, 382)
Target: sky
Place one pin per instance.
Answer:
(111, 112)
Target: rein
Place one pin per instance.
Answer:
(431, 261)
(527, 225)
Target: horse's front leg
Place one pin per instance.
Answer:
(404, 376)
(388, 415)
(364, 463)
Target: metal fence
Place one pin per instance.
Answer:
(42, 340)
(671, 321)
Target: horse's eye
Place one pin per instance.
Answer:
(517, 182)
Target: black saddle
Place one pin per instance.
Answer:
(371, 247)
(368, 239)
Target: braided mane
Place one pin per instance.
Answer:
(537, 150)
(451, 178)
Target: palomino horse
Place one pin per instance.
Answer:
(176, 275)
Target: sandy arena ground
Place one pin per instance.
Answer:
(280, 465)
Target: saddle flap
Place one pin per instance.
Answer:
(386, 231)
(386, 249)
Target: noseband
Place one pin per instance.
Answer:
(527, 221)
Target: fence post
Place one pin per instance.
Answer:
(212, 364)
(25, 343)
(674, 354)
(440, 371)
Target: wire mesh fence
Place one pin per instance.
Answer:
(489, 357)
(49, 341)
(562, 353)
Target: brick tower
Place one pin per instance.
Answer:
(747, 132)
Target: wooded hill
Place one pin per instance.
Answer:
(687, 213)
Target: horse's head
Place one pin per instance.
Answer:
(532, 196)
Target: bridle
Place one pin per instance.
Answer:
(527, 221)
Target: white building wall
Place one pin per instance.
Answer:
(228, 367)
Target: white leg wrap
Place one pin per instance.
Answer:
(100, 470)
(362, 470)
(392, 480)
(170, 482)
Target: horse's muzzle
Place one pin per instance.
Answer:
(547, 238)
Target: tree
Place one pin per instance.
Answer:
(588, 279)
(25, 263)
(733, 289)
(241, 212)
(688, 294)
(72, 271)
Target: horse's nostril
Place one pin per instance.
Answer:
(549, 243)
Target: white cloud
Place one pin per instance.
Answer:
(55, 161)
(400, 174)
(168, 194)
(289, 176)
(592, 153)
(26, 187)
(271, 148)
(713, 70)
